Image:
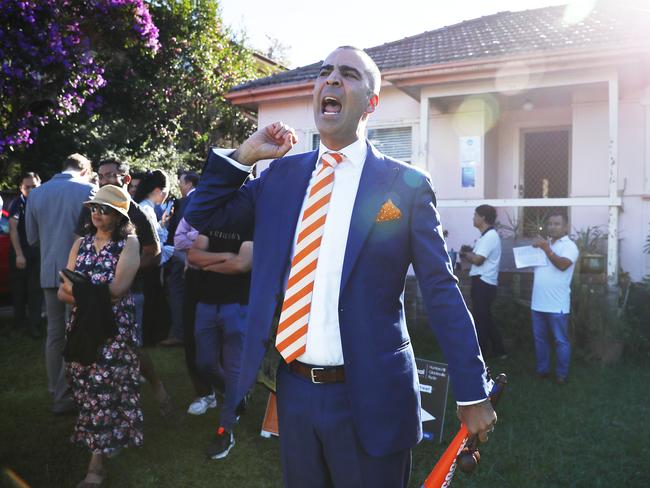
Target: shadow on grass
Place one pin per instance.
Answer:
(592, 432)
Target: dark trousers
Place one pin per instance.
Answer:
(483, 295)
(319, 446)
(156, 317)
(201, 387)
(26, 292)
(175, 285)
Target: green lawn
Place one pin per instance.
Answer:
(593, 432)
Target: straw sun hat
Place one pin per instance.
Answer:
(112, 196)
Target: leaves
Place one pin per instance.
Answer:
(54, 55)
(154, 109)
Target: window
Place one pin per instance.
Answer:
(392, 141)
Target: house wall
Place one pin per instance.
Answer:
(295, 113)
(499, 171)
(587, 118)
(443, 161)
(590, 173)
(395, 109)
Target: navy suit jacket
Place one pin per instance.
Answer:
(381, 377)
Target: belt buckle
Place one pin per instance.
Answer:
(313, 379)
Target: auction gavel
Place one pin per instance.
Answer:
(469, 457)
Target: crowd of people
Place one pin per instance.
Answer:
(316, 308)
(134, 278)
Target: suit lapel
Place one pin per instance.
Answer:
(376, 180)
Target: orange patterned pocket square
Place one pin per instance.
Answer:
(388, 212)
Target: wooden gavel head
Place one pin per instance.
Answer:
(468, 459)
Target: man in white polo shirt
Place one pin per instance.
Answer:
(484, 272)
(551, 302)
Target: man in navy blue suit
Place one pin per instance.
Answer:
(348, 403)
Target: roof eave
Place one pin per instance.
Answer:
(524, 63)
(456, 71)
(251, 97)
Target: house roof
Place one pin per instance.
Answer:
(498, 35)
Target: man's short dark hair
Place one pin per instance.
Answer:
(122, 167)
(191, 176)
(558, 213)
(28, 174)
(76, 162)
(488, 212)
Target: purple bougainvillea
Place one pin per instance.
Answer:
(52, 58)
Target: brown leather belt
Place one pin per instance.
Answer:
(318, 374)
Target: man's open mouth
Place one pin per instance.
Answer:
(330, 106)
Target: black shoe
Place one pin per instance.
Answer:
(221, 446)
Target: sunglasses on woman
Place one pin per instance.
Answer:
(102, 209)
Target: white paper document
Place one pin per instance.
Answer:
(526, 256)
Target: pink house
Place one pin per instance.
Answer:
(521, 110)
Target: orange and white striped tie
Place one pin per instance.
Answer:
(291, 338)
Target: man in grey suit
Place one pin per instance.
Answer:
(51, 218)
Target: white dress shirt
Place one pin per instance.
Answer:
(323, 332)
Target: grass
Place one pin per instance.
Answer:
(593, 432)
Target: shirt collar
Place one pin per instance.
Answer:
(72, 172)
(355, 153)
(190, 192)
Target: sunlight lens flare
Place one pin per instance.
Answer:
(465, 120)
(577, 10)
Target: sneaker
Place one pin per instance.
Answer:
(221, 446)
(201, 404)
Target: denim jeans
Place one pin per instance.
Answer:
(219, 333)
(552, 326)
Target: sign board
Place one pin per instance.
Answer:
(470, 158)
(434, 385)
(270, 422)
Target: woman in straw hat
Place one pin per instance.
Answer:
(107, 390)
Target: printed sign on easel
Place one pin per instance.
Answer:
(434, 385)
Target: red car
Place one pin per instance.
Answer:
(4, 252)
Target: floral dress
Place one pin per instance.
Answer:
(107, 391)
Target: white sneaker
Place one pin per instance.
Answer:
(201, 405)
